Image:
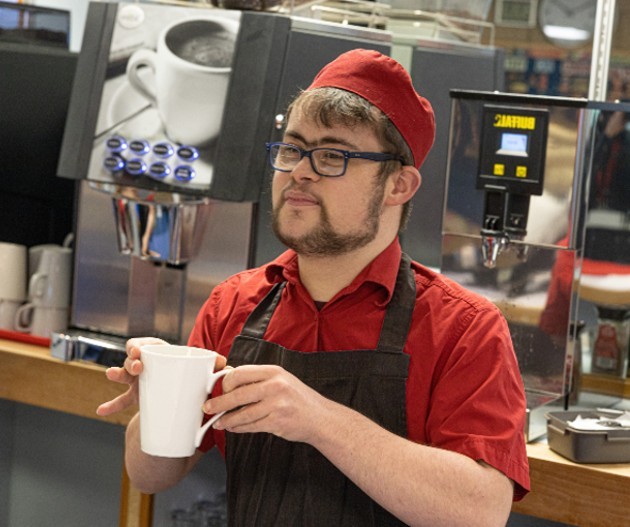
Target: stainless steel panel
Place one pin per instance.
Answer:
(127, 296)
(551, 214)
(531, 281)
(569, 279)
(535, 301)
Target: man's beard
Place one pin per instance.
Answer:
(323, 240)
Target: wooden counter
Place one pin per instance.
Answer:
(28, 374)
(584, 495)
(608, 290)
(577, 494)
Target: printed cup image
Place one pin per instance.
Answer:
(174, 383)
(191, 66)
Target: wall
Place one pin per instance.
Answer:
(58, 469)
(7, 419)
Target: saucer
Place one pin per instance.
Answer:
(132, 114)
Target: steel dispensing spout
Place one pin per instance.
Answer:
(504, 222)
(492, 244)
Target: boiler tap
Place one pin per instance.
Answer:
(504, 221)
(492, 244)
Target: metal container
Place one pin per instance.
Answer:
(586, 446)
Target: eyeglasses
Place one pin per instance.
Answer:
(327, 162)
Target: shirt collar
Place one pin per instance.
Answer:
(283, 268)
(383, 270)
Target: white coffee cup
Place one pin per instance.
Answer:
(13, 269)
(174, 383)
(192, 65)
(8, 309)
(40, 321)
(49, 286)
(35, 255)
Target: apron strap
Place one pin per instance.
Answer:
(257, 321)
(399, 310)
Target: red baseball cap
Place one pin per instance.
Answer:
(386, 84)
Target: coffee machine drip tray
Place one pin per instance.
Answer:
(91, 347)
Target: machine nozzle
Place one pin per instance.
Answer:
(491, 247)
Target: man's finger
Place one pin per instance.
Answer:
(247, 374)
(116, 405)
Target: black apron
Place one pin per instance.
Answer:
(274, 482)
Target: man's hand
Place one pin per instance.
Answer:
(128, 374)
(268, 399)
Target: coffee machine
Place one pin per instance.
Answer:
(519, 228)
(170, 111)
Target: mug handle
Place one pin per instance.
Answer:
(25, 327)
(139, 59)
(202, 431)
(37, 285)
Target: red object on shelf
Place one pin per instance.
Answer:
(600, 267)
(24, 337)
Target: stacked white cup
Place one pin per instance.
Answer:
(13, 265)
(48, 291)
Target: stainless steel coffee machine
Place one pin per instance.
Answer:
(520, 227)
(169, 115)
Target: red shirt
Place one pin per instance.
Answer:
(464, 391)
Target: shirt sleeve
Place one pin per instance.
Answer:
(201, 334)
(478, 403)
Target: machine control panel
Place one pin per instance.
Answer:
(160, 161)
(513, 149)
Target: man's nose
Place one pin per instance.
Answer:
(304, 170)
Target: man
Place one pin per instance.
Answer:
(366, 390)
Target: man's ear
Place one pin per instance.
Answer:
(402, 185)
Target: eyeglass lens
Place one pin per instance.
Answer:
(325, 161)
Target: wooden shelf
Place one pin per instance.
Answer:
(606, 385)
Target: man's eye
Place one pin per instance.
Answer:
(288, 153)
(331, 156)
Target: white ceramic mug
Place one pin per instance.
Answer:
(40, 321)
(49, 286)
(174, 383)
(192, 65)
(35, 255)
(8, 309)
(13, 269)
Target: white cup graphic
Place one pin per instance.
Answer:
(174, 383)
(191, 65)
(49, 286)
(13, 270)
(41, 321)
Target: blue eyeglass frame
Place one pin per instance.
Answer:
(371, 156)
